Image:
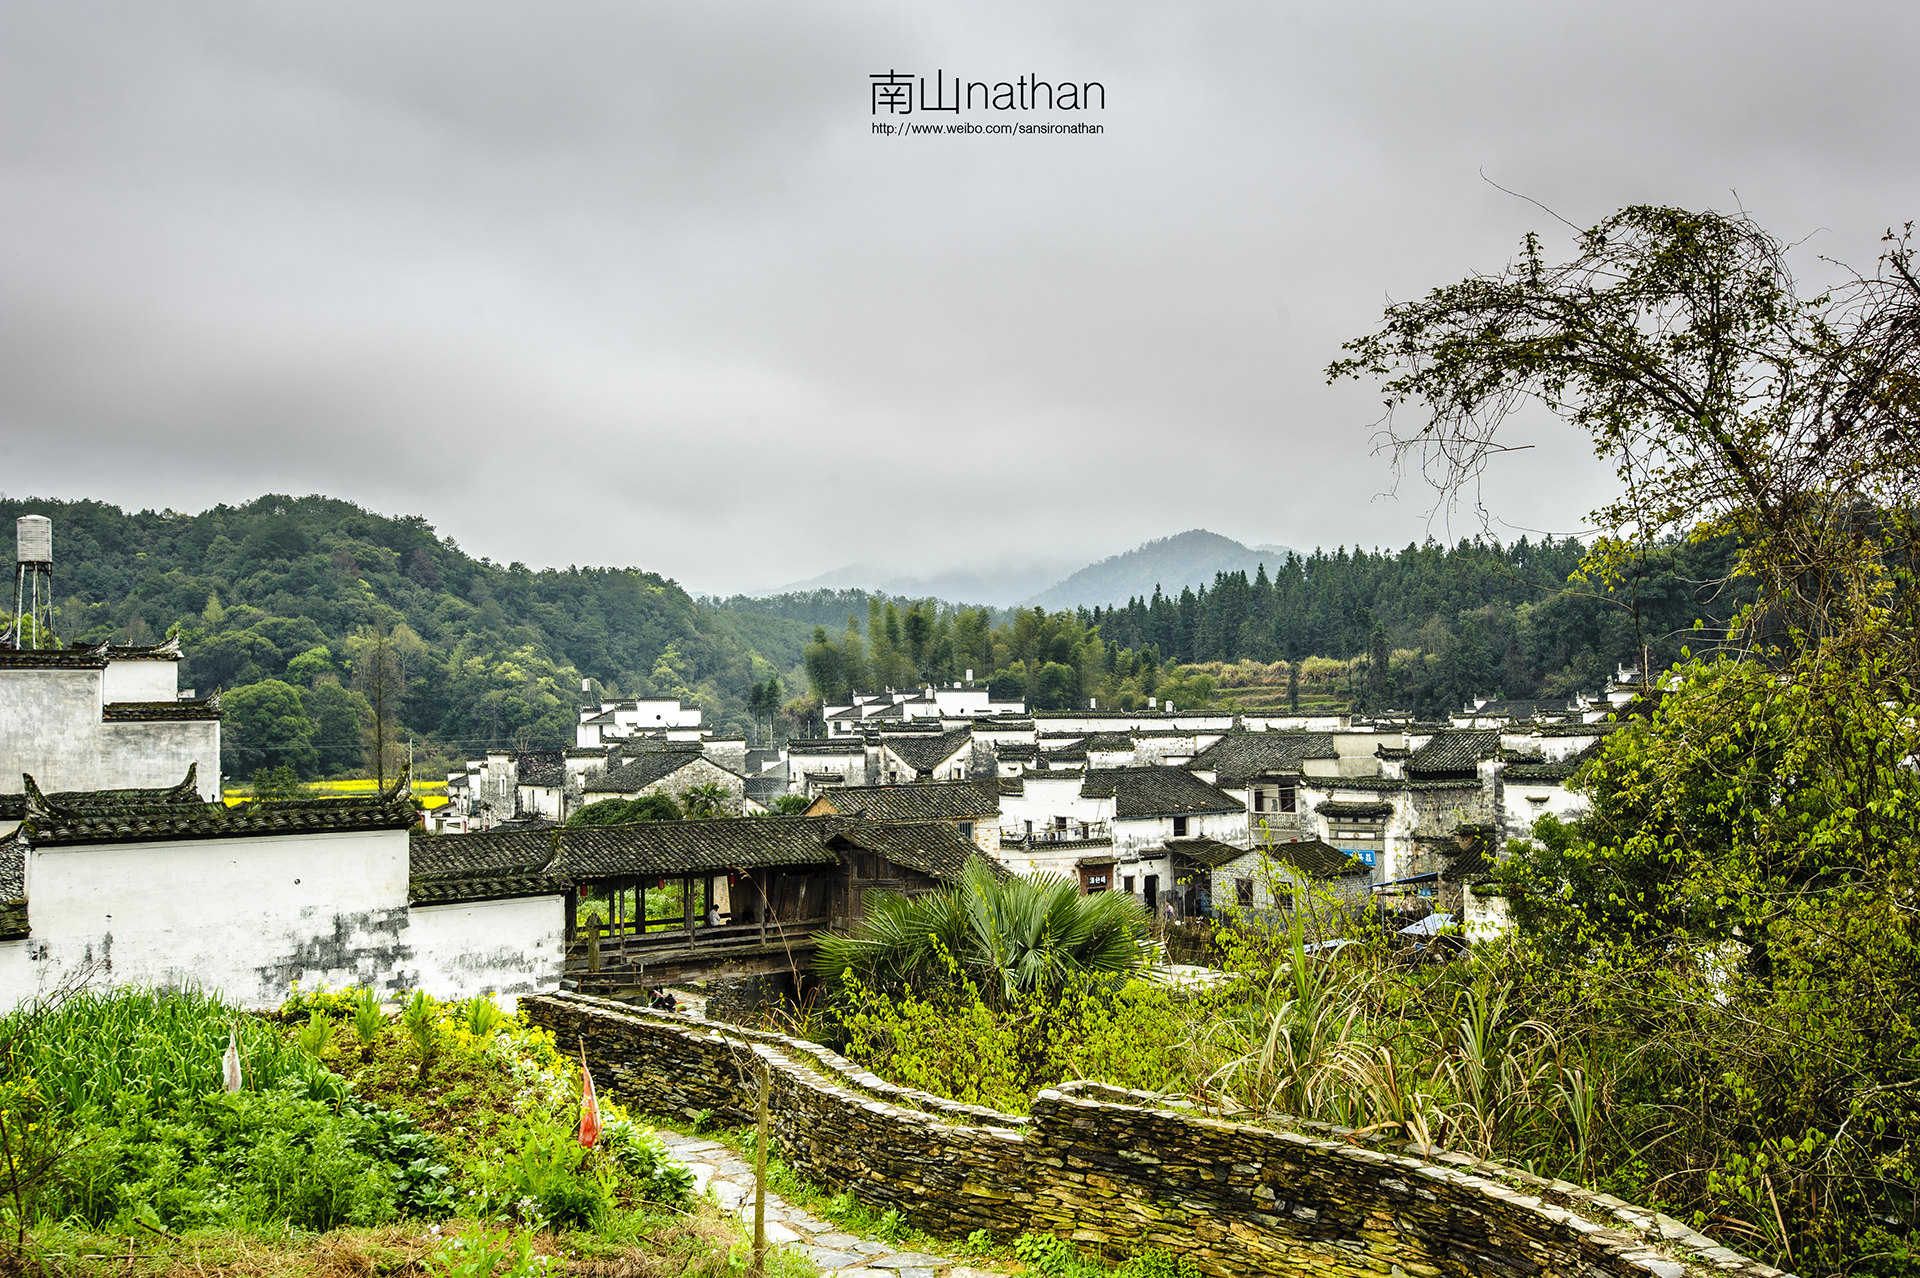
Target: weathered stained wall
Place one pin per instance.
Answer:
(244, 916)
(249, 916)
(504, 948)
(51, 726)
(1113, 1170)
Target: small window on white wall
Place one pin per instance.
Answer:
(1179, 827)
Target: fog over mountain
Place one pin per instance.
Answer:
(1187, 559)
(1191, 558)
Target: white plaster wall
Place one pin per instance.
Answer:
(1046, 798)
(503, 948)
(1144, 836)
(245, 916)
(142, 680)
(961, 701)
(50, 726)
(19, 976)
(1527, 801)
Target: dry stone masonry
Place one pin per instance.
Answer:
(1122, 1171)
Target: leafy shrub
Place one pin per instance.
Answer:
(369, 1018)
(484, 1252)
(547, 1180)
(483, 1016)
(315, 1035)
(420, 1019)
(95, 1050)
(230, 1159)
(644, 1159)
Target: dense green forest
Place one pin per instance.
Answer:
(327, 625)
(330, 628)
(1421, 630)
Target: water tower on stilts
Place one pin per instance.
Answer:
(33, 583)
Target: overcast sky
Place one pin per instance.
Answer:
(636, 283)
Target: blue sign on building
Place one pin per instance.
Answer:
(1365, 854)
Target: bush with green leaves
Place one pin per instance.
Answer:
(1006, 935)
(545, 1179)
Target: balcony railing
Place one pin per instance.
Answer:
(627, 948)
(1079, 834)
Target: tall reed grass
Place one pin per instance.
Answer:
(94, 1053)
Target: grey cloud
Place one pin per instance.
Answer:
(592, 282)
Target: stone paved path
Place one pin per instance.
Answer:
(841, 1255)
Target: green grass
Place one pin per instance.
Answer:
(152, 1169)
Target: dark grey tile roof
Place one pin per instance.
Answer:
(1318, 859)
(1454, 751)
(542, 768)
(1109, 741)
(13, 807)
(643, 771)
(683, 847)
(160, 711)
(1239, 757)
(934, 848)
(1207, 853)
(1156, 791)
(1518, 710)
(924, 753)
(447, 869)
(843, 745)
(1012, 786)
(53, 659)
(918, 801)
(1388, 785)
(166, 650)
(1539, 770)
(68, 820)
(1352, 808)
(13, 868)
(13, 921)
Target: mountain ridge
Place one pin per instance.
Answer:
(1188, 559)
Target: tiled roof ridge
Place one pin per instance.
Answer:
(202, 709)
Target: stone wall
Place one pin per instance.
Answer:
(745, 998)
(1126, 1171)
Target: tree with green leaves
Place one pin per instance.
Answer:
(1004, 934)
(267, 727)
(648, 807)
(1730, 925)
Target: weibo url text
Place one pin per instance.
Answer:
(903, 129)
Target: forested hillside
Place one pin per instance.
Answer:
(310, 611)
(1422, 629)
(329, 627)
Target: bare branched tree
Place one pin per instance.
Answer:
(1679, 342)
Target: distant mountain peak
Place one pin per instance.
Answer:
(1174, 563)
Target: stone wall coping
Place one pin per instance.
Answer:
(1080, 1128)
(1576, 1206)
(829, 1062)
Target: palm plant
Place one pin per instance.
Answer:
(369, 1018)
(1006, 936)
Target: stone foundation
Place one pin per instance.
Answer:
(1124, 1171)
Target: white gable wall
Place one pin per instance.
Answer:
(249, 916)
(51, 726)
(503, 948)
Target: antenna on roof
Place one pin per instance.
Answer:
(33, 582)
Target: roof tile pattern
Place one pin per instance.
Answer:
(919, 801)
(1156, 791)
(161, 711)
(649, 767)
(1239, 757)
(925, 752)
(1453, 751)
(113, 817)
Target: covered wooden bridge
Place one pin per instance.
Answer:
(665, 902)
